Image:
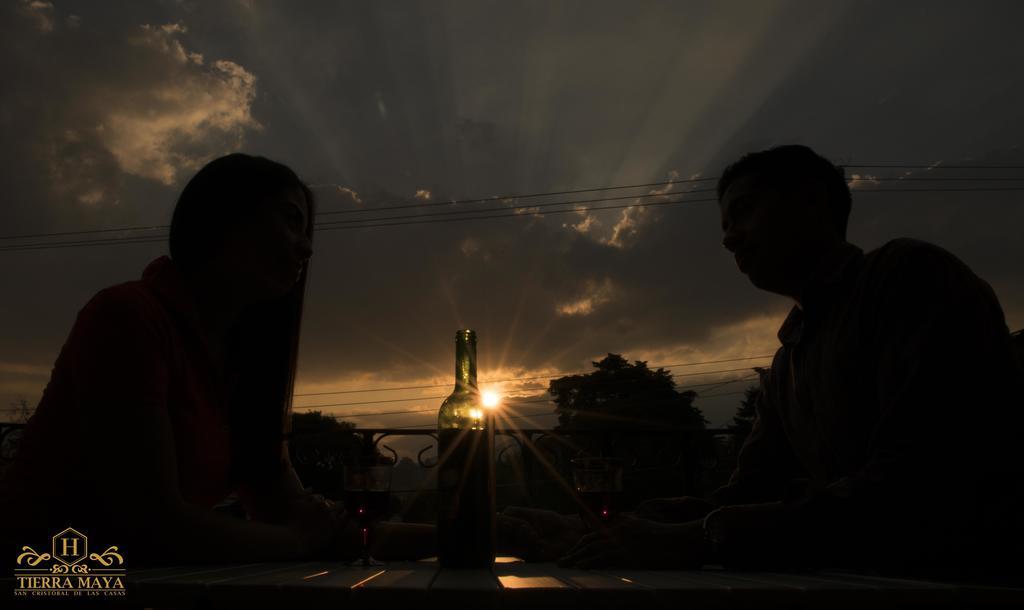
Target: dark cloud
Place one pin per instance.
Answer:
(476, 99)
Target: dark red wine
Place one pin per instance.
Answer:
(366, 506)
(466, 502)
(602, 505)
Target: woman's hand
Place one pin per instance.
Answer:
(537, 535)
(674, 510)
(639, 543)
(318, 523)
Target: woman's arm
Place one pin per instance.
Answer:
(267, 498)
(396, 541)
(275, 496)
(191, 533)
(118, 364)
(171, 529)
(174, 530)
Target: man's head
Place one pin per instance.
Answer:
(781, 209)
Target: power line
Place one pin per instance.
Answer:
(516, 403)
(86, 232)
(445, 385)
(392, 400)
(425, 219)
(725, 383)
(586, 412)
(523, 207)
(520, 416)
(652, 184)
(97, 242)
(724, 394)
(428, 218)
(867, 178)
(406, 412)
(520, 402)
(938, 190)
(506, 198)
(371, 402)
(343, 417)
(528, 208)
(495, 198)
(514, 415)
(420, 219)
(932, 166)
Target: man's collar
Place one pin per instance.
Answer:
(834, 265)
(830, 270)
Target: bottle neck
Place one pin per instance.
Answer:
(465, 362)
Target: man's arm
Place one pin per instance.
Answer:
(766, 462)
(940, 346)
(944, 368)
(767, 468)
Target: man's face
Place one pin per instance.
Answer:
(772, 235)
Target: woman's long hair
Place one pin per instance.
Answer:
(263, 345)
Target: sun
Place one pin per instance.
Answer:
(491, 399)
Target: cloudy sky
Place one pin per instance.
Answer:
(108, 108)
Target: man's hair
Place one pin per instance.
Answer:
(786, 168)
(222, 194)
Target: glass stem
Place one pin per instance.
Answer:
(366, 547)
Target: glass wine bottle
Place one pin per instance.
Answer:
(465, 478)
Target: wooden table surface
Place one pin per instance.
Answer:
(514, 584)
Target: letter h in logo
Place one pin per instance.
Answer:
(70, 546)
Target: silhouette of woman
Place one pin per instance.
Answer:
(175, 390)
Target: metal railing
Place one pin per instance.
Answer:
(9, 434)
(532, 464)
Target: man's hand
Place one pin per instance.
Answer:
(639, 543)
(770, 535)
(674, 510)
(537, 535)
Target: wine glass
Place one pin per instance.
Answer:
(598, 482)
(367, 494)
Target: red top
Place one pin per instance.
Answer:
(136, 345)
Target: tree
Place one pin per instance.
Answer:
(620, 395)
(743, 420)
(10, 435)
(22, 412)
(637, 414)
(319, 446)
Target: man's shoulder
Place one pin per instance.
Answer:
(914, 276)
(903, 248)
(905, 257)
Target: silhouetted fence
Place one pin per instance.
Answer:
(533, 465)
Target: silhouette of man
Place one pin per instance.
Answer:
(885, 429)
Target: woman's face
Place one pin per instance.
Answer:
(267, 252)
